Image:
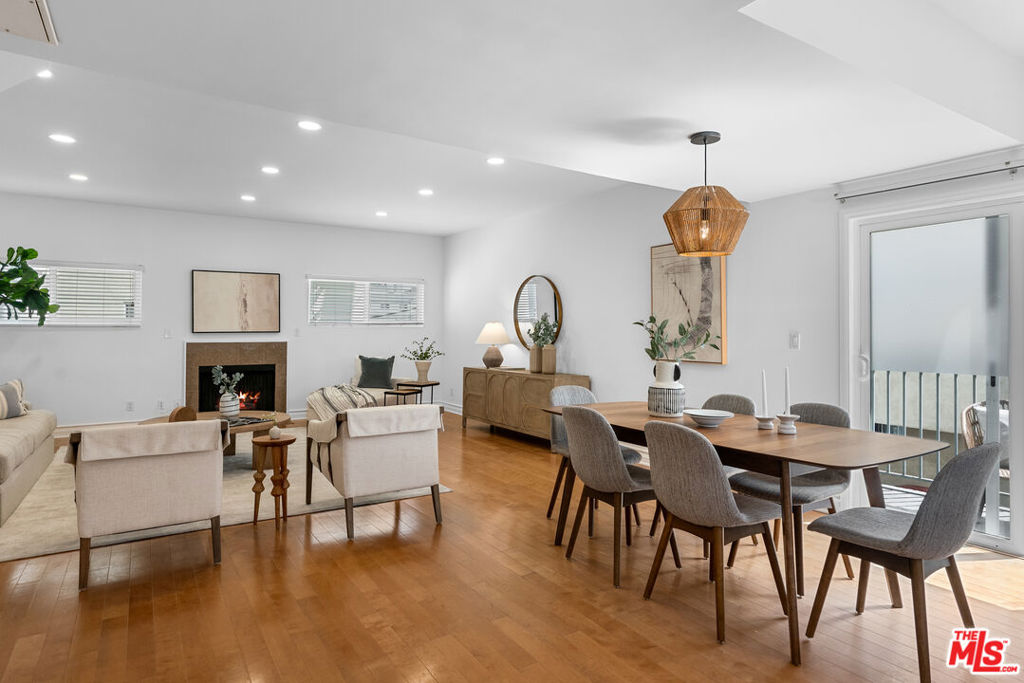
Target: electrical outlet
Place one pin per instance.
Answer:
(159, 405)
(129, 406)
(794, 341)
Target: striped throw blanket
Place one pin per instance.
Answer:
(329, 402)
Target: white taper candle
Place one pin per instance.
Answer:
(764, 392)
(787, 390)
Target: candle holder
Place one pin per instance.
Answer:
(765, 421)
(787, 423)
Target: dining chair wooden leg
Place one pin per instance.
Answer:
(658, 510)
(707, 550)
(798, 544)
(659, 556)
(777, 532)
(563, 508)
(629, 525)
(862, 585)
(846, 559)
(953, 572)
(350, 522)
(584, 503)
(823, 584)
(590, 520)
(711, 560)
(618, 540)
(733, 547)
(558, 485)
(672, 543)
(309, 470)
(753, 540)
(636, 514)
(773, 560)
(718, 553)
(924, 669)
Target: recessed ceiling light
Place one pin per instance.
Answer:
(248, 198)
(78, 177)
(310, 125)
(382, 214)
(495, 161)
(271, 170)
(45, 73)
(426, 192)
(62, 138)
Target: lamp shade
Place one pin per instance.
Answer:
(493, 333)
(706, 221)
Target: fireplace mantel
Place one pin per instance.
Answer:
(237, 353)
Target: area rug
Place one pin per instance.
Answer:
(46, 521)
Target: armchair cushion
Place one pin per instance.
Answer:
(376, 372)
(143, 440)
(364, 422)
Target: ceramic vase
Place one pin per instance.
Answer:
(535, 358)
(666, 395)
(547, 359)
(275, 432)
(229, 405)
(422, 369)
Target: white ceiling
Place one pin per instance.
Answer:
(178, 104)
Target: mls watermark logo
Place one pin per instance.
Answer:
(978, 653)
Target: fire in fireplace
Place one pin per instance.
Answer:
(255, 391)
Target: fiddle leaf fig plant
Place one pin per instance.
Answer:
(683, 347)
(543, 332)
(21, 287)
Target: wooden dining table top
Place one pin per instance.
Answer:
(813, 444)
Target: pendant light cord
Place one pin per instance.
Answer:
(705, 162)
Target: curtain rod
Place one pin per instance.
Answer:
(1011, 169)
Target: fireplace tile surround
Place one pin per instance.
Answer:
(200, 354)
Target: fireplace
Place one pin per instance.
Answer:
(263, 364)
(255, 391)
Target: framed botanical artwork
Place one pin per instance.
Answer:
(229, 301)
(691, 290)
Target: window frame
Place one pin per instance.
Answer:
(418, 282)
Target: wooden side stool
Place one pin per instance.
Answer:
(279, 457)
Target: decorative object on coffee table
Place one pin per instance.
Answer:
(227, 385)
(21, 287)
(422, 352)
(691, 291)
(666, 395)
(493, 334)
(279, 453)
(228, 301)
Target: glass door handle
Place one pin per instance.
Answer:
(865, 366)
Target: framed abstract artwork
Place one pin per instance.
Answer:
(229, 301)
(690, 290)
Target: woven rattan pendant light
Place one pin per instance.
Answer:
(706, 220)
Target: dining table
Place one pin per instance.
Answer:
(740, 443)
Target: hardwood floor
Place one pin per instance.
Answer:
(484, 597)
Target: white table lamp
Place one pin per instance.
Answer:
(493, 333)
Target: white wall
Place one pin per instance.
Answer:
(86, 375)
(781, 278)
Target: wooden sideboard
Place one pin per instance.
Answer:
(512, 399)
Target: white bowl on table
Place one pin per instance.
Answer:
(707, 418)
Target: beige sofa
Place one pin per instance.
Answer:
(26, 450)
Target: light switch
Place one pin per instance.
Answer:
(794, 341)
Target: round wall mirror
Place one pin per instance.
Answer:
(536, 296)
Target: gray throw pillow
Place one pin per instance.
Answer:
(376, 372)
(11, 401)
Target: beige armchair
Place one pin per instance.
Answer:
(144, 476)
(372, 451)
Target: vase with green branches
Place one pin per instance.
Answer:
(666, 396)
(227, 384)
(422, 352)
(21, 286)
(542, 353)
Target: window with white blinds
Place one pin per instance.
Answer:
(90, 295)
(364, 302)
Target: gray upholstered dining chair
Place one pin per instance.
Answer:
(912, 545)
(691, 485)
(597, 460)
(812, 488)
(573, 395)
(734, 403)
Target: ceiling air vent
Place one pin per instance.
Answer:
(28, 19)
